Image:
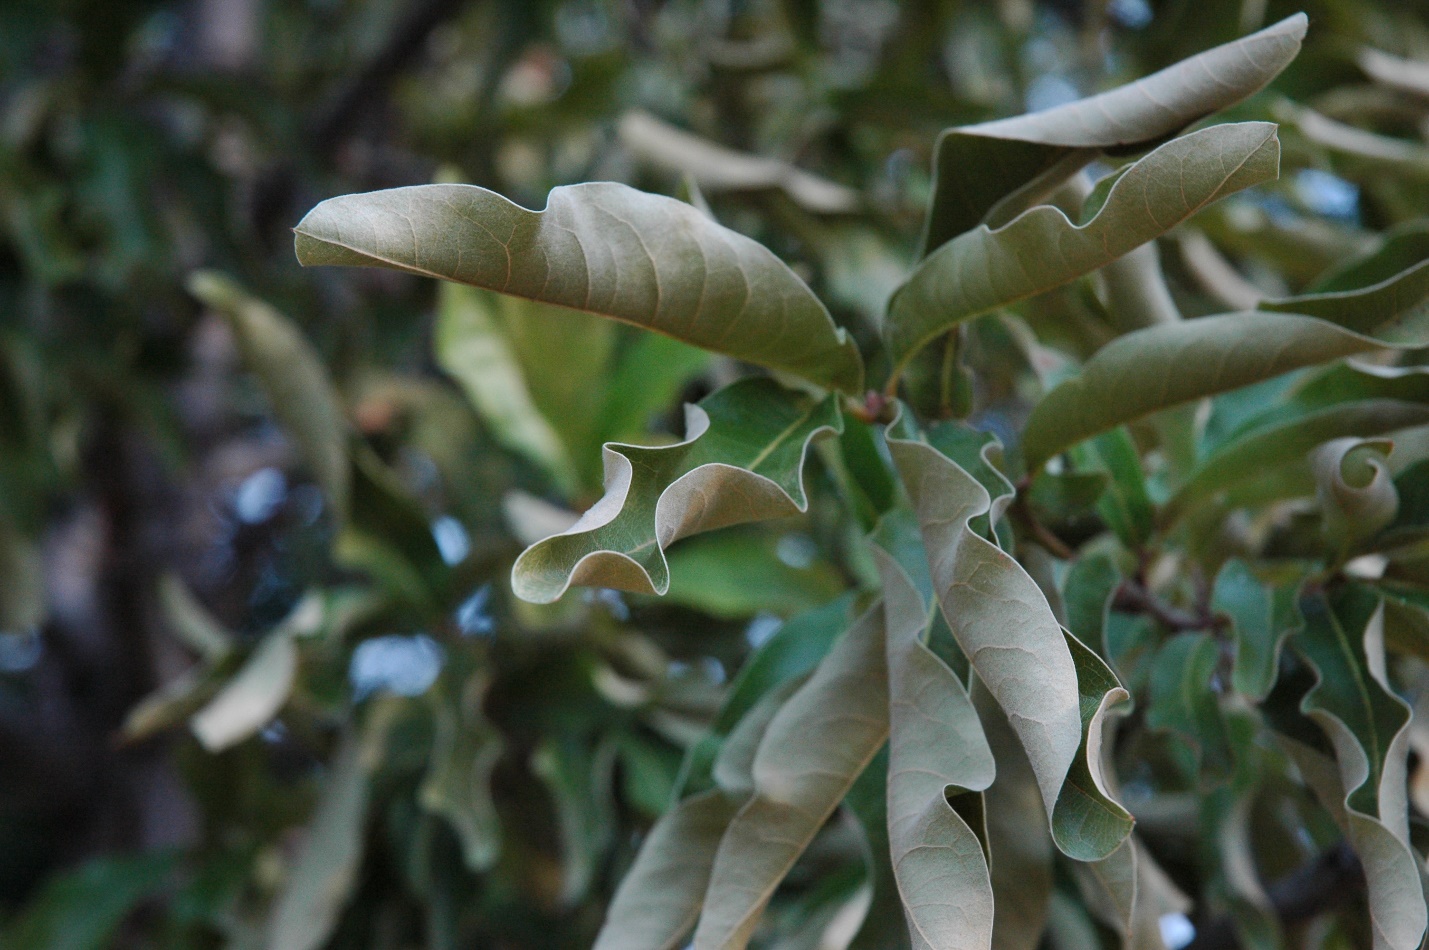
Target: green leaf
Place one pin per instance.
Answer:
(1354, 487)
(739, 573)
(293, 378)
(1041, 249)
(457, 785)
(816, 746)
(1183, 701)
(471, 347)
(1167, 365)
(1054, 691)
(1405, 75)
(1367, 726)
(1257, 626)
(83, 909)
(939, 763)
(319, 883)
(602, 248)
(742, 460)
(190, 620)
(978, 166)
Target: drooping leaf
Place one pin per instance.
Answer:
(885, 926)
(577, 779)
(293, 378)
(602, 248)
(742, 460)
(978, 166)
(1054, 691)
(1258, 627)
(1142, 372)
(1366, 725)
(816, 746)
(319, 883)
(1041, 248)
(939, 763)
(1183, 701)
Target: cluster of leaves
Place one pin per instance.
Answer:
(1105, 606)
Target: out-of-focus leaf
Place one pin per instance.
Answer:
(1054, 690)
(22, 583)
(83, 909)
(390, 537)
(1183, 701)
(737, 574)
(602, 248)
(1142, 372)
(742, 460)
(1366, 724)
(1249, 604)
(816, 746)
(250, 700)
(191, 621)
(646, 381)
(457, 785)
(471, 347)
(320, 880)
(939, 764)
(293, 378)
(1370, 150)
(978, 166)
(716, 168)
(1125, 505)
(575, 779)
(984, 269)
(1355, 489)
(1405, 75)
(885, 926)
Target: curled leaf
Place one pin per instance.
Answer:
(1354, 487)
(1040, 249)
(602, 248)
(978, 166)
(939, 761)
(741, 460)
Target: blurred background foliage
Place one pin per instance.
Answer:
(251, 698)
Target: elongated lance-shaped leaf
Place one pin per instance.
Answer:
(292, 377)
(603, 248)
(978, 166)
(1152, 369)
(939, 762)
(817, 745)
(742, 460)
(1040, 249)
(1367, 727)
(660, 897)
(1054, 691)
(1259, 629)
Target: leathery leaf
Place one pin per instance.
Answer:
(741, 460)
(1170, 364)
(978, 166)
(939, 763)
(603, 248)
(1343, 640)
(815, 747)
(1040, 249)
(1054, 690)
